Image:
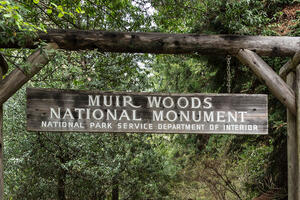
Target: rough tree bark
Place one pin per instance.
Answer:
(298, 131)
(292, 145)
(17, 78)
(290, 65)
(1, 153)
(3, 70)
(274, 82)
(133, 42)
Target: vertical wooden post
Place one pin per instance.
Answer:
(1, 155)
(289, 94)
(292, 145)
(297, 91)
(3, 70)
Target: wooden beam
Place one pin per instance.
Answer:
(298, 127)
(292, 146)
(274, 82)
(290, 65)
(17, 78)
(163, 43)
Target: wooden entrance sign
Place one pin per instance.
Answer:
(94, 111)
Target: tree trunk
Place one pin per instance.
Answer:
(133, 42)
(115, 190)
(61, 182)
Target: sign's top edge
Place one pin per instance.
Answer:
(138, 93)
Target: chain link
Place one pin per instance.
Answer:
(228, 59)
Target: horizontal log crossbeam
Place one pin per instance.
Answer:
(164, 43)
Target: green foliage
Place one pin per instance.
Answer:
(181, 74)
(143, 166)
(262, 158)
(12, 19)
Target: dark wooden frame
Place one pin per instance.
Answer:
(246, 48)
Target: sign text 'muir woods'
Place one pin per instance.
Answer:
(94, 111)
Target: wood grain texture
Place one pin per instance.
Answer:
(1, 147)
(266, 74)
(292, 146)
(290, 65)
(164, 43)
(298, 129)
(219, 109)
(17, 78)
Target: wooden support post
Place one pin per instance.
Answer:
(292, 146)
(290, 65)
(3, 70)
(1, 150)
(17, 78)
(11, 84)
(274, 82)
(298, 126)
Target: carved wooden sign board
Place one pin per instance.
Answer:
(95, 111)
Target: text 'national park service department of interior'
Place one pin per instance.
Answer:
(95, 111)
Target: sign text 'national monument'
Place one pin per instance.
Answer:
(95, 111)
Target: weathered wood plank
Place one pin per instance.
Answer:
(95, 111)
(290, 65)
(298, 129)
(274, 82)
(164, 43)
(17, 78)
(292, 146)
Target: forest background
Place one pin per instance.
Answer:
(41, 165)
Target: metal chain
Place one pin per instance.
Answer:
(228, 59)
